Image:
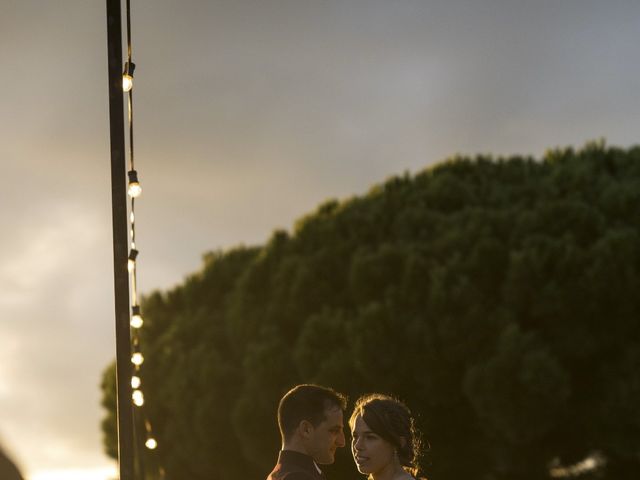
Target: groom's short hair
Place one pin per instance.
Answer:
(306, 402)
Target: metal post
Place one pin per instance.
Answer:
(120, 244)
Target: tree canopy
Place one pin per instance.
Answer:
(497, 297)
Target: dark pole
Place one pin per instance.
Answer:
(120, 243)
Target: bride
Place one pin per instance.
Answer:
(385, 444)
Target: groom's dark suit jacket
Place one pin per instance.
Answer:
(295, 466)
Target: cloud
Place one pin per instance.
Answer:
(55, 335)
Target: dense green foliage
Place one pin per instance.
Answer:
(498, 298)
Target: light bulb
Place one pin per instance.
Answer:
(136, 321)
(136, 317)
(127, 76)
(135, 382)
(151, 443)
(127, 82)
(134, 190)
(138, 398)
(137, 359)
(131, 262)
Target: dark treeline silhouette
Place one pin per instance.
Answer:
(499, 298)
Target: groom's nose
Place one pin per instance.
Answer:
(340, 440)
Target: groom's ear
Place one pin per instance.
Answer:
(305, 427)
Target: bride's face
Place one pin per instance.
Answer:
(371, 452)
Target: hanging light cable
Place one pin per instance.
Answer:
(134, 190)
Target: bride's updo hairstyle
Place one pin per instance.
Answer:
(391, 420)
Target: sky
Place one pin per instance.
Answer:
(247, 115)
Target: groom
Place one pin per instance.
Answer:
(310, 418)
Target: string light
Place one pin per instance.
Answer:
(134, 190)
(136, 318)
(151, 443)
(127, 76)
(138, 398)
(131, 263)
(137, 359)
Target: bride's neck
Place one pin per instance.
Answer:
(392, 472)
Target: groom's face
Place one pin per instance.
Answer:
(327, 436)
